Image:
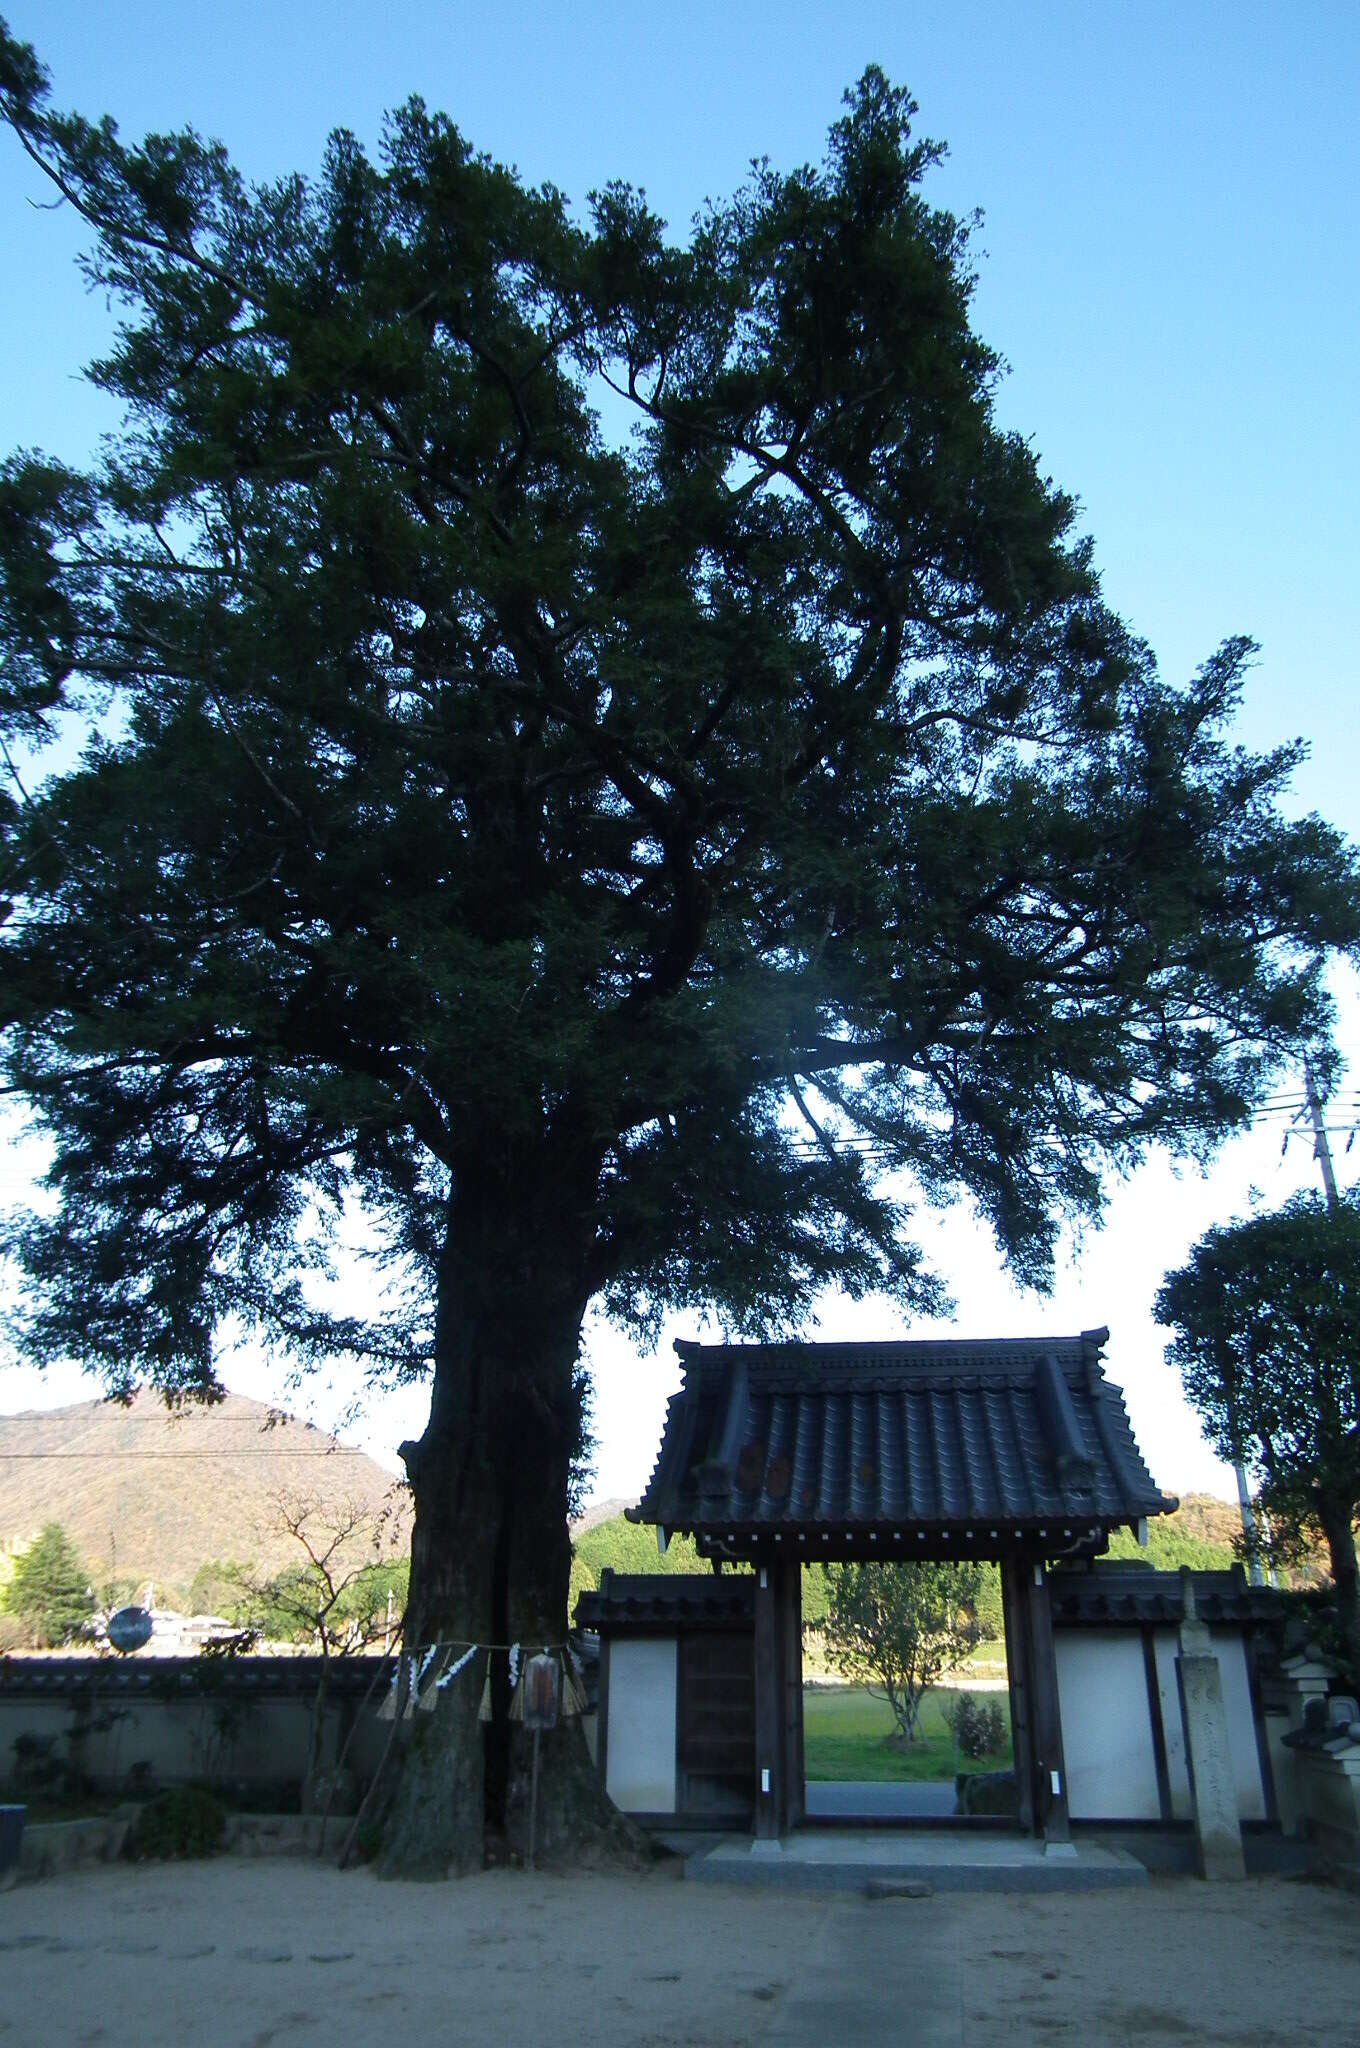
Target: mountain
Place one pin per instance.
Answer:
(150, 1494)
(599, 1511)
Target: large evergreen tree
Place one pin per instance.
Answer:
(49, 1589)
(1266, 1322)
(596, 719)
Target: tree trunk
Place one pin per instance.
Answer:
(576, 1821)
(1340, 1534)
(490, 1551)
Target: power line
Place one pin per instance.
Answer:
(37, 1418)
(119, 1457)
(171, 1422)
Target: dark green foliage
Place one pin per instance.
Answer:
(979, 1725)
(1266, 1316)
(898, 1629)
(988, 1611)
(987, 1607)
(216, 1585)
(39, 1774)
(1313, 1620)
(186, 1821)
(50, 1590)
(816, 1596)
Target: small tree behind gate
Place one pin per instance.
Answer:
(898, 1629)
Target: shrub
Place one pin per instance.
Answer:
(38, 1773)
(979, 1729)
(187, 1821)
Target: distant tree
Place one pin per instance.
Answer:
(899, 1629)
(335, 1599)
(620, 764)
(1266, 1316)
(988, 1608)
(49, 1588)
(217, 1583)
(817, 1598)
(816, 1595)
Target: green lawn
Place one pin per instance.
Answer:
(848, 1735)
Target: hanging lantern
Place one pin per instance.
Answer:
(542, 1691)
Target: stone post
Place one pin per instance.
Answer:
(1327, 1749)
(1285, 1694)
(1218, 1831)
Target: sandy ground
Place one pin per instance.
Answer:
(247, 1951)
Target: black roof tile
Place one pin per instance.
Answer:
(641, 1603)
(1125, 1590)
(938, 1435)
(164, 1677)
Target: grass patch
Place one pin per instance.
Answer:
(847, 1735)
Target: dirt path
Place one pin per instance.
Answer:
(241, 1953)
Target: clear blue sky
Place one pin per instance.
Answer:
(1171, 267)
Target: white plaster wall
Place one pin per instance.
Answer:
(1107, 1734)
(180, 1738)
(640, 1745)
(1228, 1647)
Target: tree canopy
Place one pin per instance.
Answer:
(598, 729)
(899, 1628)
(1266, 1316)
(49, 1589)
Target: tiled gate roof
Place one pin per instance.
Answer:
(914, 1445)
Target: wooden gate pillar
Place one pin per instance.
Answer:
(1036, 1719)
(1050, 1767)
(791, 1609)
(1015, 1610)
(769, 1666)
(779, 1698)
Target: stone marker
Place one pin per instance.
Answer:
(1218, 1831)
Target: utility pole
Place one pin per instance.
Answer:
(1254, 1573)
(1322, 1150)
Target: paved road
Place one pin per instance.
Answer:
(899, 1801)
